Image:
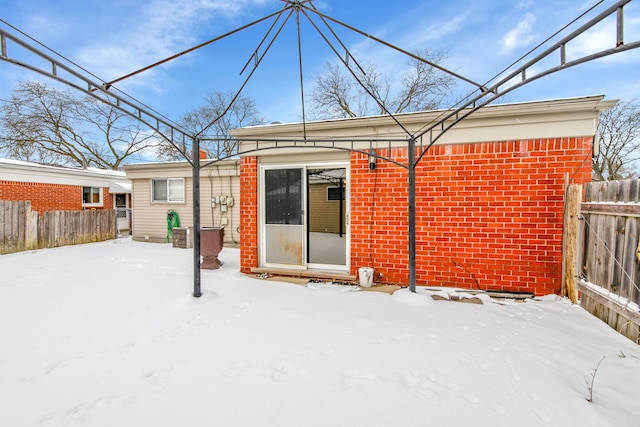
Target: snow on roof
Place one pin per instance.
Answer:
(61, 168)
(21, 171)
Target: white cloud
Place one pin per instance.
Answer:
(421, 36)
(597, 39)
(411, 38)
(44, 26)
(603, 37)
(524, 4)
(520, 36)
(153, 31)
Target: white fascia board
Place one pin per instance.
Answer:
(528, 120)
(182, 169)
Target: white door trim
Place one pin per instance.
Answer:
(262, 220)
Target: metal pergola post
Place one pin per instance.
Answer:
(195, 153)
(411, 162)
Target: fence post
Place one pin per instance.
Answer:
(570, 242)
(31, 239)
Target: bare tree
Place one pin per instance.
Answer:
(338, 94)
(618, 142)
(216, 140)
(49, 126)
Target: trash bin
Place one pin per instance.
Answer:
(365, 274)
(182, 237)
(211, 243)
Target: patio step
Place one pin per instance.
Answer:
(310, 274)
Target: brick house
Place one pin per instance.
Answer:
(489, 197)
(51, 188)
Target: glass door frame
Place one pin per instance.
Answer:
(262, 245)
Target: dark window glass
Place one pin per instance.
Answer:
(333, 193)
(91, 196)
(283, 188)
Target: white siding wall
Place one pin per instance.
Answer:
(150, 219)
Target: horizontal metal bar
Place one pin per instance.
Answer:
(257, 145)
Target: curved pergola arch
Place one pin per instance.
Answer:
(484, 94)
(66, 75)
(349, 145)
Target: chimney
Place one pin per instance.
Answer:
(203, 155)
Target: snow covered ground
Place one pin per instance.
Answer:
(108, 334)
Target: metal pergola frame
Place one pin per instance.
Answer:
(417, 143)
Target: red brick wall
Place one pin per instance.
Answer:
(49, 197)
(248, 213)
(488, 215)
(107, 199)
(379, 209)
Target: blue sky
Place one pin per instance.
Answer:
(113, 38)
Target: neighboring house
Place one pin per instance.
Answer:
(162, 187)
(489, 197)
(54, 188)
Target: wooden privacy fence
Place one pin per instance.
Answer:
(22, 229)
(608, 254)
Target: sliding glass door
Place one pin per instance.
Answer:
(284, 216)
(305, 217)
(327, 217)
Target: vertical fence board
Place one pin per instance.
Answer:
(634, 190)
(6, 224)
(32, 231)
(601, 251)
(629, 261)
(611, 191)
(20, 226)
(13, 227)
(609, 241)
(619, 252)
(623, 191)
(43, 232)
(2, 226)
(601, 192)
(594, 249)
